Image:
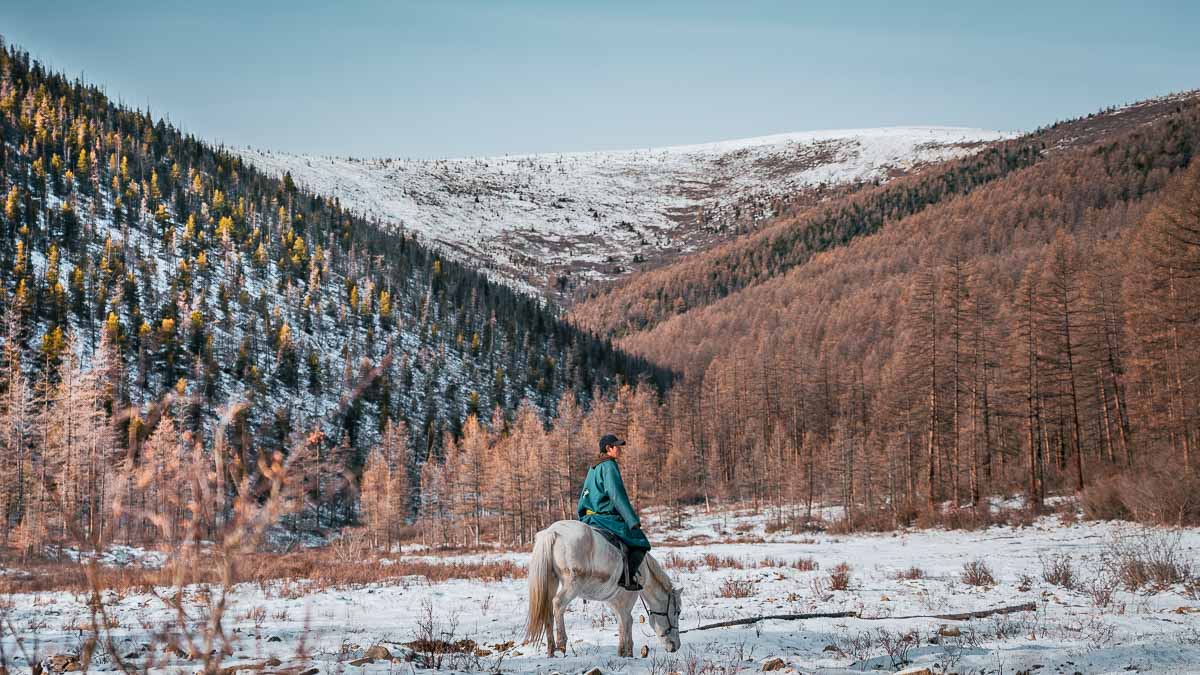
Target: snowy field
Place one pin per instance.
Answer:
(1086, 625)
(531, 217)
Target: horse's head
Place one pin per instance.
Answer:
(665, 619)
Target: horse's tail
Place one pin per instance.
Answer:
(543, 584)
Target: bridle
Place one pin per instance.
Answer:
(670, 599)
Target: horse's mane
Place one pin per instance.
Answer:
(658, 573)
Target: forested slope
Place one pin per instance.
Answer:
(139, 262)
(1033, 334)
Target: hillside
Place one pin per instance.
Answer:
(1028, 334)
(152, 282)
(557, 223)
(801, 230)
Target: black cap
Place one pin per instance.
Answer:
(609, 440)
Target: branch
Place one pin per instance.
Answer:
(962, 616)
(774, 617)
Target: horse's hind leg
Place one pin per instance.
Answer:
(557, 637)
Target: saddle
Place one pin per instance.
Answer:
(627, 575)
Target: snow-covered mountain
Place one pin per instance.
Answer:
(551, 221)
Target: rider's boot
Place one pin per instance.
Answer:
(629, 575)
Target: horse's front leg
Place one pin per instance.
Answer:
(561, 599)
(624, 610)
(624, 634)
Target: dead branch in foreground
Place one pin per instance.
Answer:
(962, 616)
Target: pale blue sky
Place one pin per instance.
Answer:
(445, 78)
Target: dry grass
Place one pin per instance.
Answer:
(736, 588)
(972, 519)
(963, 518)
(871, 521)
(795, 525)
(911, 574)
(715, 562)
(324, 568)
(805, 564)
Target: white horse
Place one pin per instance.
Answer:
(571, 560)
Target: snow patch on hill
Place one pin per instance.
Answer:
(590, 216)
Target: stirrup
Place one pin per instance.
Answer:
(631, 583)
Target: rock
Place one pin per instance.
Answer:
(311, 671)
(361, 662)
(645, 651)
(593, 671)
(915, 670)
(773, 663)
(274, 638)
(949, 631)
(272, 662)
(62, 663)
(252, 667)
(377, 652)
(830, 648)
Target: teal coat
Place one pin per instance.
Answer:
(604, 504)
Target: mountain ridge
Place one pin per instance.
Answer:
(553, 223)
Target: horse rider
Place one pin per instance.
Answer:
(603, 504)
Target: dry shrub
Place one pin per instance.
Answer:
(716, 562)
(976, 518)
(1152, 559)
(977, 573)
(839, 578)
(911, 574)
(801, 564)
(805, 564)
(956, 519)
(1058, 570)
(1102, 500)
(866, 521)
(437, 641)
(795, 525)
(1153, 496)
(898, 645)
(675, 561)
(736, 588)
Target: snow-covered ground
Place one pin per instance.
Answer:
(1067, 632)
(595, 215)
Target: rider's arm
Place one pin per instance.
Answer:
(580, 510)
(616, 493)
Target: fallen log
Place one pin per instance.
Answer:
(960, 616)
(773, 617)
(966, 616)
